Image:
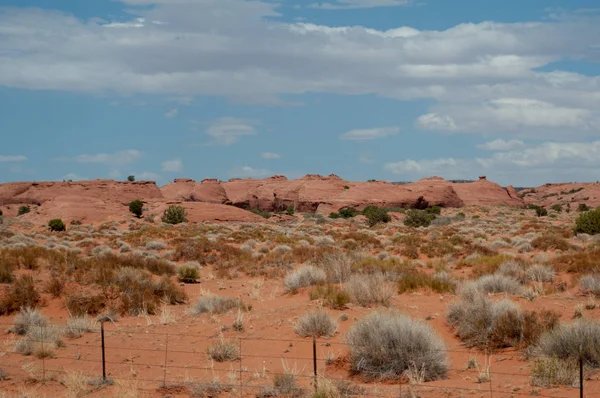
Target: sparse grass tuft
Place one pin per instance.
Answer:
(216, 305)
(304, 276)
(224, 350)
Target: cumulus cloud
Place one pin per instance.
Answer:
(247, 171)
(501, 145)
(530, 166)
(172, 113)
(239, 49)
(74, 177)
(270, 155)
(483, 77)
(345, 4)
(370, 134)
(172, 166)
(12, 159)
(121, 157)
(229, 130)
(146, 176)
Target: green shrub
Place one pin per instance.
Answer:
(188, 274)
(583, 207)
(437, 210)
(541, 212)
(348, 212)
(334, 215)
(57, 225)
(557, 208)
(174, 215)
(24, 210)
(136, 207)
(290, 210)
(346, 187)
(387, 345)
(264, 214)
(418, 218)
(588, 223)
(131, 178)
(376, 215)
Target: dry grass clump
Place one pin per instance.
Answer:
(513, 269)
(140, 295)
(495, 284)
(83, 303)
(20, 294)
(78, 326)
(416, 280)
(216, 305)
(386, 344)
(40, 341)
(156, 245)
(188, 273)
(6, 272)
(331, 295)
(26, 319)
(481, 322)
(338, 267)
(590, 284)
(304, 276)
(580, 262)
(224, 350)
(316, 323)
(555, 372)
(540, 273)
(580, 339)
(550, 241)
(369, 289)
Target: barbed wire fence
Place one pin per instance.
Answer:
(168, 361)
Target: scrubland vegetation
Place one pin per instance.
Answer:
(380, 291)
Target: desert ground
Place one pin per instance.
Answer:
(457, 290)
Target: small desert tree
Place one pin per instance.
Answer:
(131, 178)
(589, 222)
(24, 210)
(174, 215)
(57, 225)
(137, 208)
(375, 215)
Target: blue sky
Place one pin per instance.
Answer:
(386, 89)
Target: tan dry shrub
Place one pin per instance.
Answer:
(386, 344)
(316, 323)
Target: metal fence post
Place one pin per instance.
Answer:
(103, 352)
(315, 361)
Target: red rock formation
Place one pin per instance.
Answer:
(485, 193)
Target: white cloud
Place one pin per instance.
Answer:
(74, 177)
(172, 113)
(115, 174)
(425, 168)
(510, 115)
(530, 166)
(365, 158)
(370, 134)
(172, 166)
(229, 130)
(182, 100)
(484, 77)
(247, 171)
(121, 157)
(342, 4)
(146, 176)
(12, 159)
(434, 121)
(270, 155)
(501, 145)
